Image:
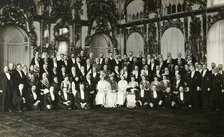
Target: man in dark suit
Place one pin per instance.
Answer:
(152, 66)
(175, 72)
(91, 88)
(88, 66)
(162, 64)
(19, 98)
(181, 95)
(46, 60)
(195, 87)
(217, 90)
(130, 59)
(179, 59)
(62, 74)
(82, 98)
(33, 99)
(78, 65)
(170, 61)
(71, 60)
(117, 62)
(19, 78)
(111, 62)
(221, 71)
(6, 89)
(152, 69)
(12, 68)
(36, 59)
(141, 96)
(206, 82)
(60, 62)
(141, 55)
(48, 71)
(82, 58)
(67, 64)
(101, 60)
(190, 60)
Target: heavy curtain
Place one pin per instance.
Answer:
(215, 44)
(135, 43)
(172, 42)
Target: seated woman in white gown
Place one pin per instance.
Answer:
(121, 94)
(111, 96)
(131, 90)
(102, 88)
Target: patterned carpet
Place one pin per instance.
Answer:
(113, 123)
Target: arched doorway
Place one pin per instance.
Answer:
(172, 42)
(101, 43)
(135, 43)
(14, 46)
(215, 44)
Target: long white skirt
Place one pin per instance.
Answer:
(111, 99)
(131, 102)
(120, 98)
(100, 98)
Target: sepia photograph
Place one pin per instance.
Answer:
(111, 68)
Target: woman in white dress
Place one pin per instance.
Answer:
(132, 89)
(102, 88)
(111, 96)
(121, 94)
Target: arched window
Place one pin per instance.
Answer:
(14, 46)
(215, 45)
(135, 43)
(172, 6)
(135, 10)
(172, 42)
(101, 43)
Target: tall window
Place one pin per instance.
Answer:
(135, 43)
(215, 44)
(172, 42)
(135, 10)
(172, 6)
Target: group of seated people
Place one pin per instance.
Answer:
(85, 82)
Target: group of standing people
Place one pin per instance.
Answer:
(84, 82)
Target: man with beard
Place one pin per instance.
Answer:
(6, 89)
(91, 88)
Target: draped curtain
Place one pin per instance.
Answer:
(172, 42)
(215, 45)
(135, 43)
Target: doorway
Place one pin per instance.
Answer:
(101, 43)
(14, 46)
